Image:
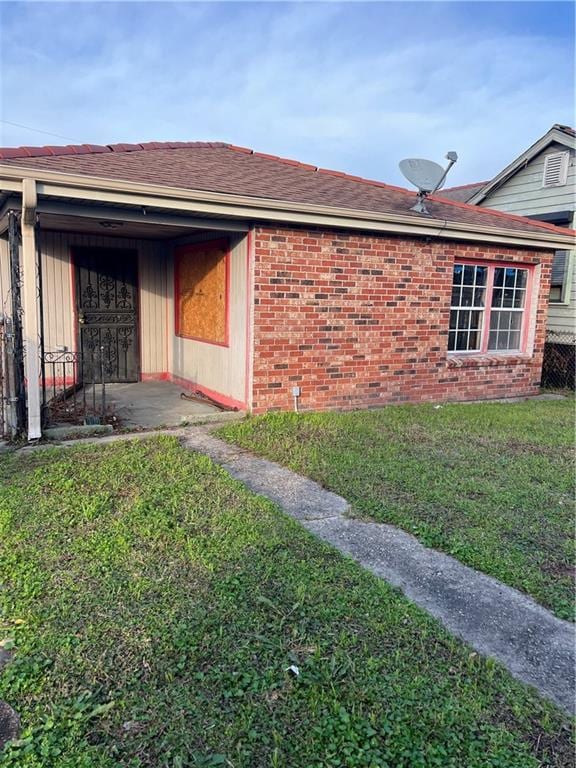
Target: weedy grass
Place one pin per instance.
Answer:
(491, 484)
(154, 607)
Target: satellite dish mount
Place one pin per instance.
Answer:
(427, 176)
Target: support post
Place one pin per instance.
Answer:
(31, 315)
(15, 344)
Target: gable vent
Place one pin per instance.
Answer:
(555, 169)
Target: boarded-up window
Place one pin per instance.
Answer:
(201, 291)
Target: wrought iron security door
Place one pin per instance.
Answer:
(107, 312)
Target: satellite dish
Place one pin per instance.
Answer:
(424, 174)
(427, 176)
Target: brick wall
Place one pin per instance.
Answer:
(358, 321)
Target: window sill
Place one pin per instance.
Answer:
(485, 360)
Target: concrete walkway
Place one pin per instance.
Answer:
(496, 620)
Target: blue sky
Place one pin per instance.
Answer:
(351, 86)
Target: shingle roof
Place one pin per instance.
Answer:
(565, 129)
(463, 193)
(225, 168)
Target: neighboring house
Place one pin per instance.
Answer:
(540, 184)
(259, 280)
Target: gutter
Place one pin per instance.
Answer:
(89, 188)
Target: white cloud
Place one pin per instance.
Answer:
(345, 86)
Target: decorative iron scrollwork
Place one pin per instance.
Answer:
(62, 356)
(127, 318)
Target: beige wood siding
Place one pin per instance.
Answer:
(524, 195)
(58, 278)
(152, 259)
(220, 369)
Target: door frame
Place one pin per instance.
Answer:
(74, 249)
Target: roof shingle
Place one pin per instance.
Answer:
(225, 168)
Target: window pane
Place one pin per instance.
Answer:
(474, 340)
(461, 341)
(508, 297)
(519, 297)
(463, 319)
(475, 320)
(495, 321)
(510, 277)
(555, 294)
(505, 331)
(509, 287)
(479, 297)
(503, 320)
(501, 341)
(522, 278)
(467, 302)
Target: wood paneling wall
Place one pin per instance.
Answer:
(58, 278)
(218, 368)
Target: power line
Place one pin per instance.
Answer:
(37, 130)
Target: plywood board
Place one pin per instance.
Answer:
(201, 288)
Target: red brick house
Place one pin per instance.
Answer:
(245, 276)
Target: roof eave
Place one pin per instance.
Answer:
(96, 189)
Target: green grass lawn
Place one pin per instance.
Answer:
(154, 606)
(491, 484)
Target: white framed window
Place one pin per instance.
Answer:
(488, 308)
(555, 169)
(559, 278)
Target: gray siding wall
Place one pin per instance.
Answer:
(524, 195)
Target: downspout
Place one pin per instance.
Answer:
(30, 319)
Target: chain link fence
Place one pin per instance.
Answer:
(559, 367)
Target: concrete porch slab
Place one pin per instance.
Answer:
(153, 404)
